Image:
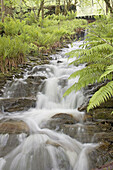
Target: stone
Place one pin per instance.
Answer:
(13, 132)
(63, 118)
(17, 104)
(101, 158)
(11, 142)
(108, 166)
(58, 121)
(102, 113)
(13, 127)
(59, 61)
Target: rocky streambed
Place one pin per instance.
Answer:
(18, 95)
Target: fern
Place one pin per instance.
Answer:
(102, 95)
(97, 54)
(107, 72)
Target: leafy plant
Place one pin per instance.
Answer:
(12, 53)
(71, 15)
(37, 36)
(12, 26)
(97, 53)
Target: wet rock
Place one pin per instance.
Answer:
(13, 127)
(108, 104)
(103, 137)
(83, 107)
(89, 91)
(62, 82)
(63, 118)
(17, 104)
(3, 79)
(10, 142)
(92, 88)
(101, 156)
(67, 124)
(102, 113)
(103, 120)
(12, 133)
(58, 121)
(88, 117)
(108, 166)
(59, 61)
(104, 153)
(25, 88)
(32, 58)
(99, 131)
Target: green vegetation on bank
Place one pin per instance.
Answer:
(27, 29)
(18, 39)
(97, 52)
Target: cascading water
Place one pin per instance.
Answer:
(45, 149)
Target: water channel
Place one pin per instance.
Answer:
(43, 148)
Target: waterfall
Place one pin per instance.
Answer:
(45, 149)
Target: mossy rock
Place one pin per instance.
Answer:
(102, 113)
(102, 157)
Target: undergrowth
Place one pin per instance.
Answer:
(18, 38)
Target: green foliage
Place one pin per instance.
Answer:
(12, 52)
(102, 95)
(97, 52)
(12, 26)
(31, 35)
(30, 18)
(108, 71)
(71, 15)
(59, 17)
(53, 30)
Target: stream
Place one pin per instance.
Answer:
(44, 148)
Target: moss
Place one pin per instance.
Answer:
(102, 113)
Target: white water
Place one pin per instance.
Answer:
(45, 149)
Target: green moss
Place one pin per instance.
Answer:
(102, 113)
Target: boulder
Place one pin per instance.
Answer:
(102, 157)
(13, 127)
(17, 104)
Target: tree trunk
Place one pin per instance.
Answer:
(57, 9)
(43, 10)
(68, 4)
(40, 8)
(65, 9)
(109, 5)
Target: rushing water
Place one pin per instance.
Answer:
(45, 149)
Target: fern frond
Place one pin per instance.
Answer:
(109, 55)
(89, 70)
(102, 95)
(85, 80)
(108, 71)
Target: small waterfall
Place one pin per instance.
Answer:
(45, 149)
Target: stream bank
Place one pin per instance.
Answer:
(102, 120)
